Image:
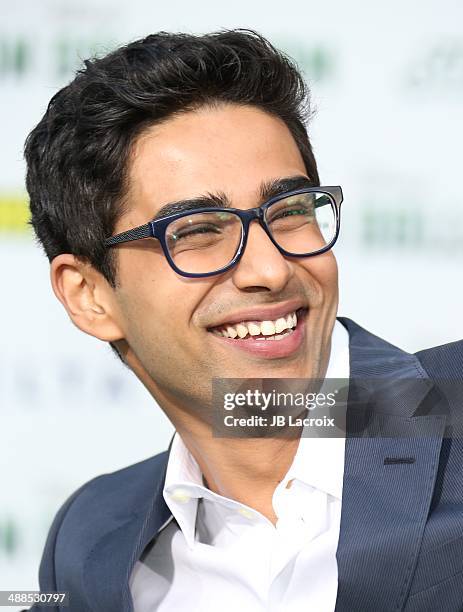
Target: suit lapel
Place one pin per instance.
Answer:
(388, 478)
(109, 564)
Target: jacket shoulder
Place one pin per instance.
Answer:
(105, 491)
(114, 494)
(444, 361)
(371, 354)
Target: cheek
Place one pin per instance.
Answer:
(323, 269)
(157, 303)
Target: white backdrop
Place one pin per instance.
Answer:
(387, 81)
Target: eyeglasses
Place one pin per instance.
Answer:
(207, 241)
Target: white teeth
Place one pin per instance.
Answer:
(254, 329)
(257, 328)
(267, 328)
(242, 330)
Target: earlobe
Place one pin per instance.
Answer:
(86, 296)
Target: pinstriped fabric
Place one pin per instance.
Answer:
(443, 597)
(401, 546)
(445, 365)
(445, 361)
(441, 560)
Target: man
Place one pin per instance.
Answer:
(175, 192)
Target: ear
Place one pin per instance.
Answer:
(87, 297)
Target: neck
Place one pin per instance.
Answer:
(246, 470)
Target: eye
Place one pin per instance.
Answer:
(190, 230)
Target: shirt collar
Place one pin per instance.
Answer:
(182, 487)
(318, 462)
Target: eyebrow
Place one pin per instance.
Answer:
(267, 190)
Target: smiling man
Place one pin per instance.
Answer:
(175, 192)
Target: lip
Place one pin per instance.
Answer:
(261, 313)
(270, 349)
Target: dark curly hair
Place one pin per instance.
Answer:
(77, 155)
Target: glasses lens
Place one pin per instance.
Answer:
(303, 223)
(204, 242)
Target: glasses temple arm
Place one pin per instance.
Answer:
(144, 231)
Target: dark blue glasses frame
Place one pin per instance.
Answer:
(157, 229)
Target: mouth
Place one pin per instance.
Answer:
(279, 337)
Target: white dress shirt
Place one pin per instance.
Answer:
(221, 555)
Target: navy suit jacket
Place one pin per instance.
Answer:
(401, 537)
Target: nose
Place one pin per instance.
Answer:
(261, 265)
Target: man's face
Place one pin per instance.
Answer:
(231, 151)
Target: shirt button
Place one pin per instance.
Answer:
(245, 512)
(180, 495)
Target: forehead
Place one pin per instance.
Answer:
(229, 149)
